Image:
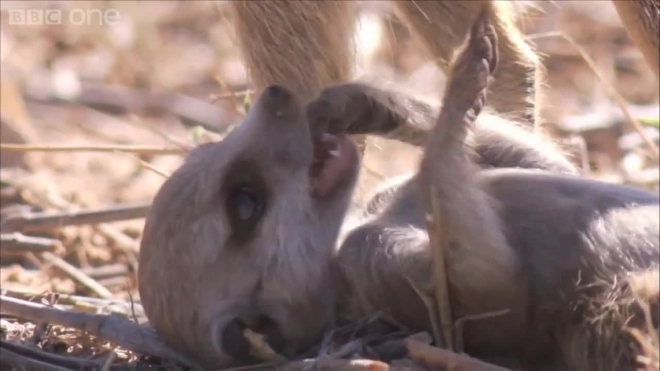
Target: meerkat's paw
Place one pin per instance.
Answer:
(472, 70)
(338, 109)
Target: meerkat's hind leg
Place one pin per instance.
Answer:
(388, 258)
(470, 221)
(472, 70)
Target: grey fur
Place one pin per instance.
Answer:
(554, 249)
(195, 278)
(531, 236)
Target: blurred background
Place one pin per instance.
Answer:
(162, 70)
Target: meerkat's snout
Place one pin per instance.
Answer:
(334, 157)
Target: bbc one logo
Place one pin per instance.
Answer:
(75, 17)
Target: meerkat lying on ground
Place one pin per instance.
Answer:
(565, 255)
(243, 235)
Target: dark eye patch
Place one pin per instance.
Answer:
(245, 205)
(245, 199)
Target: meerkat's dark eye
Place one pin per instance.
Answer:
(245, 206)
(245, 198)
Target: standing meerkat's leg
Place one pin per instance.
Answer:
(302, 45)
(442, 26)
(642, 20)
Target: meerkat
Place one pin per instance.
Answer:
(307, 45)
(244, 234)
(251, 225)
(563, 254)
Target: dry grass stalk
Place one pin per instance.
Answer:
(136, 120)
(334, 365)
(130, 247)
(147, 165)
(80, 302)
(77, 275)
(106, 271)
(13, 243)
(260, 348)
(431, 309)
(145, 150)
(47, 221)
(107, 365)
(439, 238)
(460, 324)
(231, 95)
(450, 361)
(417, 348)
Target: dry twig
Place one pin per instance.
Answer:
(14, 243)
(64, 300)
(145, 150)
(260, 347)
(77, 275)
(418, 349)
(460, 324)
(129, 246)
(434, 356)
(334, 364)
(439, 237)
(113, 328)
(46, 221)
(147, 165)
(106, 271)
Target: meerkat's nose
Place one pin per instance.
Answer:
(278, 101)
